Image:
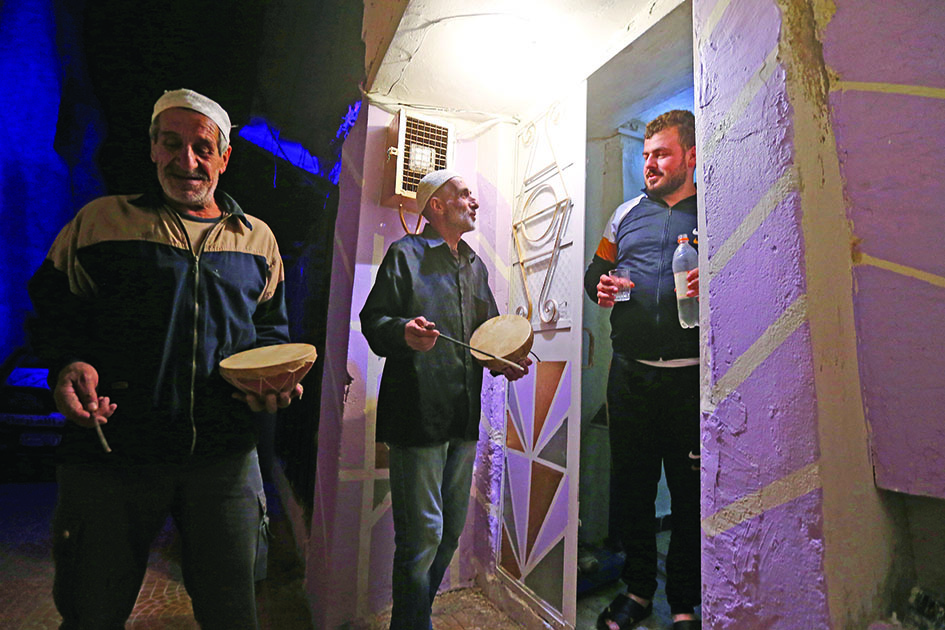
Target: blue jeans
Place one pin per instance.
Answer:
(429, 489)
(107, 517)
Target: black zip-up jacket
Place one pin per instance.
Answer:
(641, 236)
(427, 398)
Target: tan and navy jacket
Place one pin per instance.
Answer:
(123, 290)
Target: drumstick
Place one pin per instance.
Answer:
(488, 354)
(101, 438)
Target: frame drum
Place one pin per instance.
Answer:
(268, 369)
(506, 336)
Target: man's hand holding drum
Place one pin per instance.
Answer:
(421, 335)
(272, 401)
(513, 374)
(268, 377)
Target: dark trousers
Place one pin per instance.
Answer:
(107, 517)
(654, 420)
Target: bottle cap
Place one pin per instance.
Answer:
(682, 238)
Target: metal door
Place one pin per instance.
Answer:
(538, 553)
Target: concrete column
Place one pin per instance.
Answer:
(796, 535)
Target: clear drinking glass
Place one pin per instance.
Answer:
(621, 278)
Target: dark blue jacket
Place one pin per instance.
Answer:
(641, 236)
(122, 290)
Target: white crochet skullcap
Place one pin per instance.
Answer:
(197, 102)
(431, 183)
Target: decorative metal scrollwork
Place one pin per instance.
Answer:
(561, 209)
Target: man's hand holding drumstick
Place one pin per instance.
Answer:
(421, 335)
(77, 400)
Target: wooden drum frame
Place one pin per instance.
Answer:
(268, 369)
(507, 336)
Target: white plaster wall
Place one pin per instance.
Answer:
(379, 23)
(355, 532)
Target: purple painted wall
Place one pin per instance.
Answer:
(754, 585)
(821, 195)
(887, 140)
(762, 432)
(763, 563)
(322, 556)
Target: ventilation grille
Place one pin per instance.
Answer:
(426, 149)
(416, 145)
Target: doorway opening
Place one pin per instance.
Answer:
(652, 75)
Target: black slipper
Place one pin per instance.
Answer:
(625, 612)
(688, 624)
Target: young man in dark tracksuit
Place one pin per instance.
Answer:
(653, 385)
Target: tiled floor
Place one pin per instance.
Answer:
(26, 575)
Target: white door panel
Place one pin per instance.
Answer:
(538, 554)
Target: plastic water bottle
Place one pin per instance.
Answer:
(685, 259)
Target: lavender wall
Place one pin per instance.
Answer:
(760, 422)
(326, 558)
(888, 111)
(795, 533)
(350, 547)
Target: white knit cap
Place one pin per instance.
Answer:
(431, 183)
(197, 102)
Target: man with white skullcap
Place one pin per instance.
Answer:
(429, 402)
(138, 300)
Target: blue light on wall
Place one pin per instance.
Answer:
(348, 122)
(40, 189)
(268, 138)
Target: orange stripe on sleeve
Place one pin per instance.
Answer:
(607, 250)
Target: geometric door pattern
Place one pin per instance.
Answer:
(535, 480)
